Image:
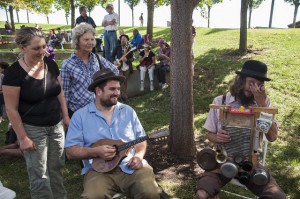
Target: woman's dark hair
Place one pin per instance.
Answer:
(26, 34)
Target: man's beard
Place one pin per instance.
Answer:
(244, 100)
(108, 102)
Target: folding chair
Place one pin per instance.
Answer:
(234, 181)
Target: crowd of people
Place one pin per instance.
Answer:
(76, 112)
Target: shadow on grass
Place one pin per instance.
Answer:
(216, 30)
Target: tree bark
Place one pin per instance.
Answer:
(271, 14)
(250, 14)
(27, 16)
(295, 14)
(150, 9)
(208, 16)
(72, 13)
(243, 27)
(12, 22)
(181, 140)
(47, 19)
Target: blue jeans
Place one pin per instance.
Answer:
(46, 163)
(110, 42)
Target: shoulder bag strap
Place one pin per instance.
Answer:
(100, 64)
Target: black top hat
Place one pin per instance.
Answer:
(102, 76)
(255, 69)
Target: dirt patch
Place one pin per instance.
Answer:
(168, 166)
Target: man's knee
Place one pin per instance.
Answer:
(201, 194)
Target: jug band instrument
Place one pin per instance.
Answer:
(239, 157)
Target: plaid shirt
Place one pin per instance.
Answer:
(77, 76)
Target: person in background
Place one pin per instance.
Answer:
(141, 18)
(110, 24)
(164, 57)
(37, 111)
(78, 69)
(84, 18)
(60, 38)
(3, 67)
(137, 40)
(50, 53)
(247, 90)
(147, 63)
(106, 118)
(7, 27)
(52, 38)
(123, 58)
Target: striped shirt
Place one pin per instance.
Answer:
(77, 76)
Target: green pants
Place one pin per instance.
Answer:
(139, 185)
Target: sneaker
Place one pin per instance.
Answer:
(142, 86)
(6, 193)
(151, 86)
(165, 85)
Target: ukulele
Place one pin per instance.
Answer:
(122, 149)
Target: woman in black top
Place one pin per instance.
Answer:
(37, 110)
(147, 62)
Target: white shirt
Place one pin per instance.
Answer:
(110, 17)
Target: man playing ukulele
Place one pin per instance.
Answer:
(106, 118)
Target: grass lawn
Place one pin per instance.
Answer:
(216, 62)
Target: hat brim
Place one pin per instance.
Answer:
(253, 75)
(94, 84)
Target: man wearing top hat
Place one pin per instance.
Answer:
(106, 118)
(110, 24)
(247, 90)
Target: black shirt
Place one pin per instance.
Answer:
(46, 109)
(86, 19)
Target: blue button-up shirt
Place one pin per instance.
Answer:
(88, 125)
(77, 76)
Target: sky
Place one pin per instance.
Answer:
(224, 15)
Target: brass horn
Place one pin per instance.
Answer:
(221, 154)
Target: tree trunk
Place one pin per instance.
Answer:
(18, 16)
(12, 22)
(47, 19)
(119, 13)
(67, 20)
(72, 13)
(181, 140)
(271, 14)
(7, 19)
(27, 16)
(295, 14)
(243, 27)
(208, 16)
(132, 16)
(150, 9)
(250, 14)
